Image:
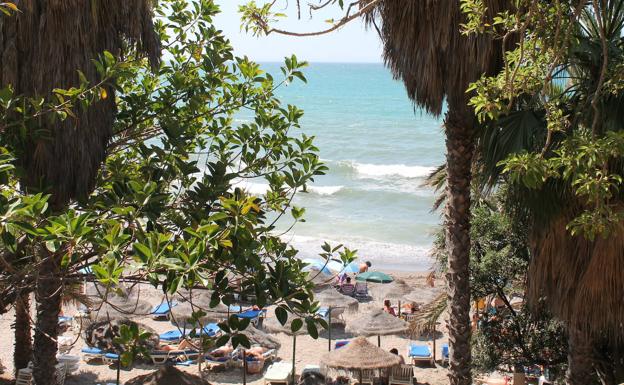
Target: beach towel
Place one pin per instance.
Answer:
(422, 351)
(340, 344)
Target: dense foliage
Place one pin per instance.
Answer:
(169, 207)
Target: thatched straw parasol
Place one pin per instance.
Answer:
(360, 354)
(258, 337)
(377, 323)
(181, 313)
(394, 291)
(334, 300)
(167, 375)
(423, 295)
(272, 325)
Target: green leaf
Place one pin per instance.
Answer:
(281, 314)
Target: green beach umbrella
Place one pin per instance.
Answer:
(374, 276)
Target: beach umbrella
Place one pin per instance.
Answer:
(374, 276)
(422, 295)
(332, 299)
(353, 267)
(335, 266)
(393, 291)
(316, 265)
(360, 355)
(377, 323)
(258, 337)
(167, 375)
(274, 326)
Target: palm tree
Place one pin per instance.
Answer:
(23, 336)
(424, 47)
(580, 278)
(41, 48)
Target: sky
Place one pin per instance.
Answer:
(351, 44)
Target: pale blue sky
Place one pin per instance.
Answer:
(352, 43)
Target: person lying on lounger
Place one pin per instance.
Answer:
(183, 345)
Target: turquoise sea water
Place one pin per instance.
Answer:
(378, 149)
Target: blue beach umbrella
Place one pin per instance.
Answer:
(335, 266)
(316, 264)
(353, 267)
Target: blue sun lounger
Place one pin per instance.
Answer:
(420, 353)
(252, 315)
(163, 310)
(445, 354)
(92, 353)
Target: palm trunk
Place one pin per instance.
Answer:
(49, 295)
(580, 368)
(459, 125)
(23, 339)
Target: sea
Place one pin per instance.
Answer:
(379, 148)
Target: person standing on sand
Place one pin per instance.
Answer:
(364, 266)
(396, 352)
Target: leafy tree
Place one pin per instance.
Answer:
(423, 47)
(169, 207)
(554, 117)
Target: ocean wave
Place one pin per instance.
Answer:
(262, 188)
(392, 256)
(381, 171)
(384, 170)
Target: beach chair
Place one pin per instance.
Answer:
(89, 354)
(110, 358)
(348, 289)
(445, 354)
(361, 290)
(278, 373)
(336, 314)
(24, 377)
(420, 354)
(402, 375)
(323, 313)
(173, 336)
(160, 357)
(368, 376)
(254, 316)
(163, 311)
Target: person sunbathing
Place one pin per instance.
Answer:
(257, 352)
(388, 308)
(223, 351)
(185, 344)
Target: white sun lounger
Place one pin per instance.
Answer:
(278, 373)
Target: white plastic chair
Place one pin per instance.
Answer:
(401, 374)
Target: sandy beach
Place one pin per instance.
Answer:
(309, 351)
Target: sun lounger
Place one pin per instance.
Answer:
(340, 344)
(160, 357)
(402, 375)
(278, 373)
(420, 353)
(163, 310)
(110, 358)
(253, 315)
(173, 336)
(445, 354)
(92, 354)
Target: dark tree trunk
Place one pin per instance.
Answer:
(23, 338)
(49, 293)
(459, 125)
(580, 367)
